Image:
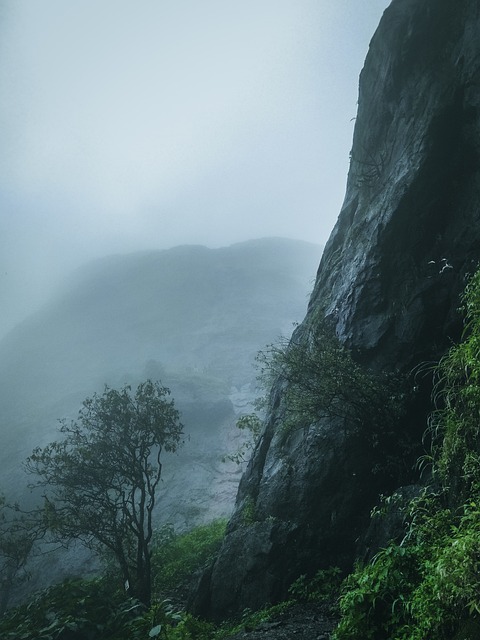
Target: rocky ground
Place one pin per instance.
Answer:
(310, 621)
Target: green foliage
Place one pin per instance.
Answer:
(373, 605)
(17, 537)
(251, 424)
(322, 587)
(95, 610)
(428, 586)
(454, 424)
(101, 480)
(324, 381)
(422, 588)
(177, 558)
(308, 364)
(80, 609)
(190, 628)
(249, 511)
(90, 610)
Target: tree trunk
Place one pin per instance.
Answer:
(144, 578)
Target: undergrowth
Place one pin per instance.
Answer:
(94, 610)
(176, 558)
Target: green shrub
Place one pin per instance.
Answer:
(428, 586)
(178, 557)
(375, 599)
(421, 589)
(322, 587)
(76, 609)
(323, 380)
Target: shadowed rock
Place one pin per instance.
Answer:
(389, 282)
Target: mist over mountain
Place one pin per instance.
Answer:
(191, 317)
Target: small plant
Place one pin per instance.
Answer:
(249, 511)
(322, 587)
(252, 425)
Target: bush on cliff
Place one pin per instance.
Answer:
(427, 586)
(323, 380)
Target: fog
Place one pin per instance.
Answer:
(128, 126)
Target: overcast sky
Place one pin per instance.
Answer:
(144, 124)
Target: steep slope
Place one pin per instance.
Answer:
(190, 316)
(389, 282)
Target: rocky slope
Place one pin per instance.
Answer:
(389, 282)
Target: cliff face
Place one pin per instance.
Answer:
(389, 282)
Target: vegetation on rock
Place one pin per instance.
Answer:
(323, 380)
(427, 585)
(177, 557)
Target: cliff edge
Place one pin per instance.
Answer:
(389, 282)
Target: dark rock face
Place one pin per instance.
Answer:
(389, 281)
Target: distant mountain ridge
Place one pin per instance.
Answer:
(192, 316)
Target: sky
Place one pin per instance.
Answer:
(130, 125)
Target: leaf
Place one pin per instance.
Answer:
(155, 631)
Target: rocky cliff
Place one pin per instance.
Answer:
(389, 282)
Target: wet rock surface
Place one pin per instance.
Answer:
(389, 283)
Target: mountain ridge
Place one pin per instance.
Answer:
(170, 313)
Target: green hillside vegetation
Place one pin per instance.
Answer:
(94, 609)
(97, 610)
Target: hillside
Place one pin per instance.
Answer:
(190, 316)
